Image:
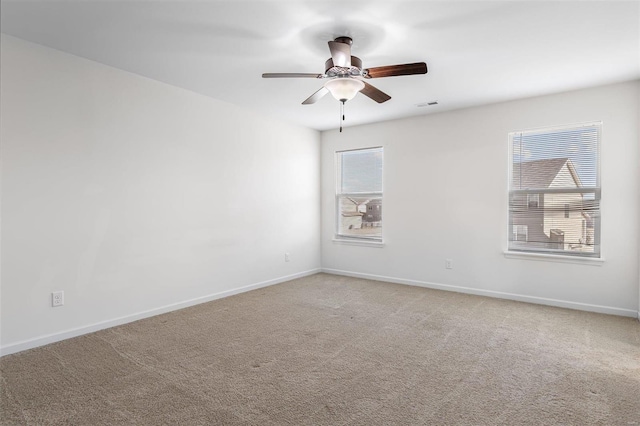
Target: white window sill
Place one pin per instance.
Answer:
(595, 261)
(356, 242)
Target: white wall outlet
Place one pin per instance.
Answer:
(287, 257)
(57, 298)
(448, 263)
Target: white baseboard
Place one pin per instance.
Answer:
(490, 293)
(74, 332)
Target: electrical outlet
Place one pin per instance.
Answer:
(448, 263)
(287, 257)
(57, 298)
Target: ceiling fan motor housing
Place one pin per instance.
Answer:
(333, 71)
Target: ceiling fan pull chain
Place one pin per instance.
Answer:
(341, 115)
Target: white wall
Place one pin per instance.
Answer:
(445, 183)
(131, 195)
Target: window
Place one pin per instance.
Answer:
(520, 233)
(554, 190)
(359, 194)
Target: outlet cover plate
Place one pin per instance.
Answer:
(57, 298)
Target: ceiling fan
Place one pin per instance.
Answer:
(347, 77)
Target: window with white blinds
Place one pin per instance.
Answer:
(359, 194)
(554, 190)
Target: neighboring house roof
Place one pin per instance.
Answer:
(541, 173)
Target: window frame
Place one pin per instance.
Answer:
(550, 253)
(338, 236)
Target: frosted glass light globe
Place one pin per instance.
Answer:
(345, 88)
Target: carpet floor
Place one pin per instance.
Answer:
(332, 350)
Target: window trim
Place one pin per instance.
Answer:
(526, 255)
(352, 239)
(550, 254)
(358, 242)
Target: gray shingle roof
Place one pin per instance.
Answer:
(537, 173)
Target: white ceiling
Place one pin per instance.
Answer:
(477, 52)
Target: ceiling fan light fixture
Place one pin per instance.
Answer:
(345, 88)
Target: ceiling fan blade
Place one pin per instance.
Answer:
(376, 94)
(290, 75)
(316, 96)
(394, 70)
(340, 53)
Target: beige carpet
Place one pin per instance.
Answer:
(329, 350)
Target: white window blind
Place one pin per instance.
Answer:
(359, 194)
(554, 190)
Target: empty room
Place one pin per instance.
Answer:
(320, 213)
